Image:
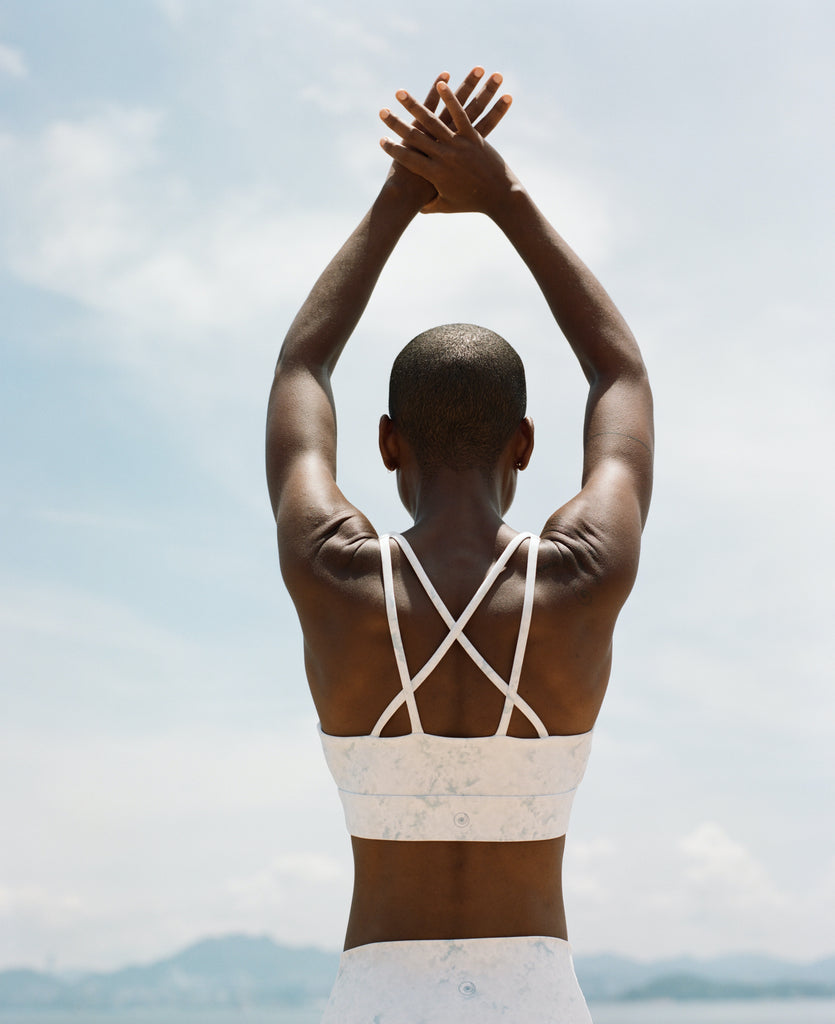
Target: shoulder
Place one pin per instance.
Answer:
(331, 556)
(591, 546)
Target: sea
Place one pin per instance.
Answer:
(784, 1011)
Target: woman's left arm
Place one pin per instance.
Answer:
(301, 418)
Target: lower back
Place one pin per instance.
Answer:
(432, 890)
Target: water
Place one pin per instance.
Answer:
(789, 1011)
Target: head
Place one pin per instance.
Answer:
(457, 395)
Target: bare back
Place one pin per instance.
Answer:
(445, 889)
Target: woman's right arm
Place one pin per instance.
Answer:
(619, 422)
(469, 175)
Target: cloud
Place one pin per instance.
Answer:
(35, 900)
(98, 661)
(187, 814)
(190, 297)
(101, 219)
(273, 884)
(721, 870)
(702, 892)
(68, 650)
(588, 862)
(12, 62)
(349, 30)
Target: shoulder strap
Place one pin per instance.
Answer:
(456, 634)
(511, 696)
(408, 691)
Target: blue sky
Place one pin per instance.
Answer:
(173, 175)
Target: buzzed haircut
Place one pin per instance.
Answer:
(457, 393)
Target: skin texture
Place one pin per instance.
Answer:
(330, 554)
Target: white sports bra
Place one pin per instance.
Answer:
(421, 786)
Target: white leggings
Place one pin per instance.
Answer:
(525, 979)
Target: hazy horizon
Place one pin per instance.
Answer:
(335, 951)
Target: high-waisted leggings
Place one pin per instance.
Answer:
(524, 979)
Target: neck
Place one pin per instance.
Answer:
(467, 501)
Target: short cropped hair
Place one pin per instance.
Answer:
(457, 393)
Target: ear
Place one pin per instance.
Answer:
(389, 443)
(523, 443)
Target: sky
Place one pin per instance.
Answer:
(173, 176)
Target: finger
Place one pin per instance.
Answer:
(492, 118)
(413, 135)
(464, 90)
(484, 98)
(459, 118)
(408, 158)
(425, 118)
(432, 97)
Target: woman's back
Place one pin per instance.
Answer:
(435, 884)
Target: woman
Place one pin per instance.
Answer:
(457, 671)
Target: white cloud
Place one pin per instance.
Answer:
(722, 870)
(101, 219)
(175, 285)
(67, 651)
(52, 907)
(12, 62)
(349, 30)
(587, 869)
(273, 884)
(97, 221)
(702, 892)
(60, 612)
(175, 11)
(97, 662)
(188, 299)
(146, 842)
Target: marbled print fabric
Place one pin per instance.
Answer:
(524, 979)
(483, 789)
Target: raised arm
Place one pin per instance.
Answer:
(301, 420)
(468, 174)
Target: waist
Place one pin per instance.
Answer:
(429, 890)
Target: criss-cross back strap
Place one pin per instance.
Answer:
(512, 698)
(407, 692)
(456, 634)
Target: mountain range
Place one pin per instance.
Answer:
(241, 970)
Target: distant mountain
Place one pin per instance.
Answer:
(692, 987)
(606, 976)
(19, 988)
(241, 970)
(236, 970)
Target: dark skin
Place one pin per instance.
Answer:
(330, 553)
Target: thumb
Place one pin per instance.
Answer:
(437, 205)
